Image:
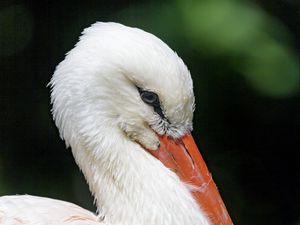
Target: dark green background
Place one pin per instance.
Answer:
(244, 59)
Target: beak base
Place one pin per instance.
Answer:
(183, 158)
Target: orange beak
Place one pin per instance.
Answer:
(183, 157)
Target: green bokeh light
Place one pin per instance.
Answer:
(237, 30)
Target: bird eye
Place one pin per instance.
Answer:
(150, 98)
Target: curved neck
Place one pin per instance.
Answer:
(131, 187)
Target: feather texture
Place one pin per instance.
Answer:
(26, 209)
(100, 115)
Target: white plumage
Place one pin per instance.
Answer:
(100, 115)
(26, 209)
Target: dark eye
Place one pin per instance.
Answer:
(150, 98)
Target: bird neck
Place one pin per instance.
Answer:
(133, 188)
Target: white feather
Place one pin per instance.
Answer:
(26, 209)
(100, 115)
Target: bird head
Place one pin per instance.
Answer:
(122, 80)
(128, 78)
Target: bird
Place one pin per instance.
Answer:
(123, 102)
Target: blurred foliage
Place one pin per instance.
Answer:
(244, 59)
(244, 32)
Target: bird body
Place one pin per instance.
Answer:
(116, 94)
(26, 209)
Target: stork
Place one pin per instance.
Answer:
(123, 102)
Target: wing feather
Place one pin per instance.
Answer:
(32, 210)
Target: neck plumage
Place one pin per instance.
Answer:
(131, 187)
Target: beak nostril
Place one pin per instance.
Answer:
(158, 145)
